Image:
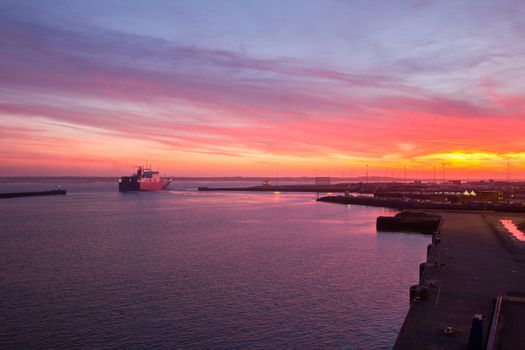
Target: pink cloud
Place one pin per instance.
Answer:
(228, 104)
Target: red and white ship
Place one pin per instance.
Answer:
(144, 179)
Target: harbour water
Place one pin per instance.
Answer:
(99, 269)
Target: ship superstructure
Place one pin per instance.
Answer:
(144, 179)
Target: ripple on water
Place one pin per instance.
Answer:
(188, 270)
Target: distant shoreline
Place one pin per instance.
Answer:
(334, 180)
(26, 179)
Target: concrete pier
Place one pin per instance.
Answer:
(470, 263)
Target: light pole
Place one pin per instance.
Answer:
(508, 177)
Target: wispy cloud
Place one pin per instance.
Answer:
(218, 102)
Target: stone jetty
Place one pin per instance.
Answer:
(471, 293)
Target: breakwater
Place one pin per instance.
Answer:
(468, 271)
(33, 193)
(416, 204)
(293, 188)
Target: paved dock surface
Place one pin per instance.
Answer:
(469, 267)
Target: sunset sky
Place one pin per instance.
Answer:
(256, 88)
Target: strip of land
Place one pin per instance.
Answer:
(501, 197)
(396, 203)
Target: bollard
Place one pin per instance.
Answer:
(421, 270)
(475, 341)
(422, 292)
(418, 292)
(412, 292)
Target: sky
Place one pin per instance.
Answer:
(263, 88)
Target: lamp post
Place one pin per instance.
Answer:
(508, 177)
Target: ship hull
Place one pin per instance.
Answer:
(154, 186)
(131, 183)
(128, 183)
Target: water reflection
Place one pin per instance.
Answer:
(194, 270)
(512, 228)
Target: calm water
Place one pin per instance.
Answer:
(98, 269)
